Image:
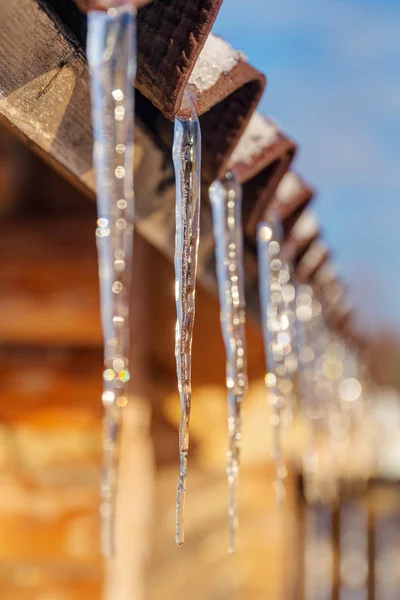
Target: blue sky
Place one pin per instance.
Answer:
(333, 69)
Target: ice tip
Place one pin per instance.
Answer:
(280, 491)
(179, 535)
(107, 546)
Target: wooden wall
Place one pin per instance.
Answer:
(50, 425)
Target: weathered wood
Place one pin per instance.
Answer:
(40, 380)
(55, 409)
(48, 279)
(44, 90)
(50, 450)
(50, 462)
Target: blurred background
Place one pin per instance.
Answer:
(333, 69)
(333, 83)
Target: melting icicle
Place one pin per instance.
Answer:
(112, 62)
(226, 202)
(321, 368)
(318, 552)
(277, 341)
(187, 163)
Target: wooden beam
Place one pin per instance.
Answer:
(44, 90)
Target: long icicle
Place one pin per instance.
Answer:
(112, 62)
(187, 163)
(271, 300)
(226, 202)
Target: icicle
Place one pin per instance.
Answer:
(318, 552)
(187, 163)
(320, 372)
(226, 202)
(276, 338)
(354, 550)
(112, 62)
(280, 330)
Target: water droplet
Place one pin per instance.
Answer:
(119, 364)
(108, 375)
(119, 113)
(124, 376)
(119, 321)
(118, 95)
(120, 172)
(119, 265)
(122, 401)
(265, 233)
(108, 398)
(270, 380)
(122, 204)
(102, 232)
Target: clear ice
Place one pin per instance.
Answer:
(112, 62)
(226, 203)
(187, 164)
(277, 295)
